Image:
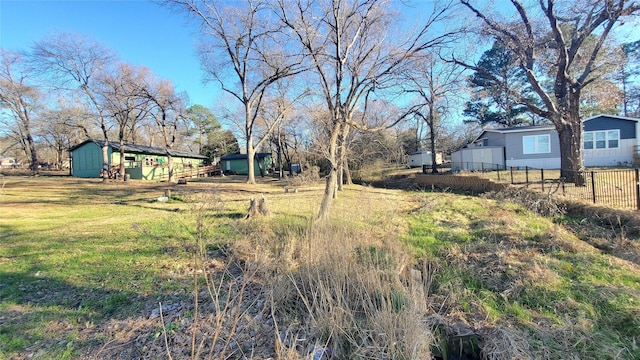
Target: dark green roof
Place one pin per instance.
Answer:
(143, 149)
(244, 156)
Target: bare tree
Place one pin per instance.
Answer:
(353, 55)
(245, 50)
(167, 111)
(433, 83)
(75, 62)
(276, 113)
(553, 40)
(57, 131)
(123, 97)
(22, 99)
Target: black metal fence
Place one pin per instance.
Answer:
(617, 188)
(476, 166)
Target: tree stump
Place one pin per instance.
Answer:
(263, 209)
(257, 208)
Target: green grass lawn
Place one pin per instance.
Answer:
(76, 252)
(82, 262)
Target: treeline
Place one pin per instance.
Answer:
(340, 82)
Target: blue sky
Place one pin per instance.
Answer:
(140, 31)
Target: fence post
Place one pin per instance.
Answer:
(498, 170)
(512, 175)
(637, 189)
(593, 186)
(526, 174)
(542, 176)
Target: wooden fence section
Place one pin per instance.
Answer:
(468, 183)
(194, 172)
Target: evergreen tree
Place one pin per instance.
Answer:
(499, 85)
(629, 77)
(201, 122)
(221, 143)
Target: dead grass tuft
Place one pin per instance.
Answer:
(504, 343)
(543, 204)
(347, 298)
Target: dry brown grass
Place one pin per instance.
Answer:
(334, 285)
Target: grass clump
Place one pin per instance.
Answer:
(346, 300)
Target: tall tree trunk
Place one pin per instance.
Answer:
(170, 167)
(339, 177)
(345, 159)
(251, 154)
(105, 161)
(59, 155)
(122, 149)
(347, 174)
(251, 151)
(344, 166)
(569, 127)
(280, 171)
(571, 164)
(33, 154)
(432, 140)
(330, 190)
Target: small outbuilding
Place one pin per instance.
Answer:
(237, 164)
(9, 162)
(478, 158)
(423, 157)
(141, 162)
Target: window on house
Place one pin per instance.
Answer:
(601, 140)
(606, 139)
(613, 137)
(130, 160)
(587, 141)
(536, 144)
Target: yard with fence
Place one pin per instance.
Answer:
(616, 188)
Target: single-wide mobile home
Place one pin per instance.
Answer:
(141, 162)
(607, 140)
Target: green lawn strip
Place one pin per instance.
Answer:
(87, 262)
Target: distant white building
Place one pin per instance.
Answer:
(9, 162)
(423, 157)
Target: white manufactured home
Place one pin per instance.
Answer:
(607, 140)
